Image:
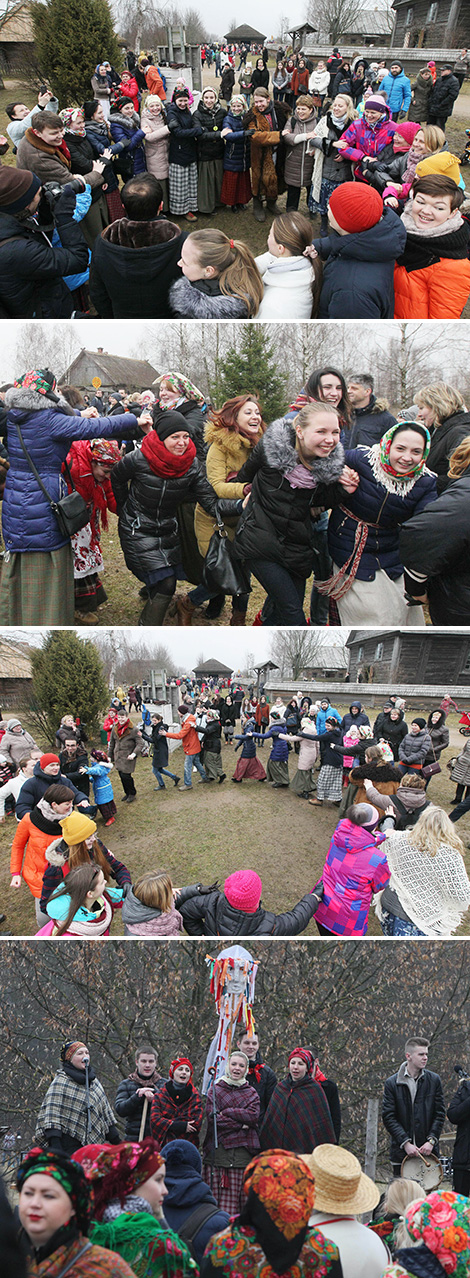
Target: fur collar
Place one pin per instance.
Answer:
(57, 853)
(31, 401)
(116, 117)
(136, 235)
(281, 454)
(372, 772)
(229, 441)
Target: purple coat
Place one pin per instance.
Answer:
(237, 1117)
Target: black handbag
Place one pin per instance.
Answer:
(222, 572)
(71, 511)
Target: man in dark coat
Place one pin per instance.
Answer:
(31, 271)
(73, 760)
(260, 1075)
(442, 96)
(135, 259)
(237, 911)
(413, 1109)
(134, 1090)
(371, 416)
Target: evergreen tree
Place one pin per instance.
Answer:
(68, 678)
(71, 38)
(250, 366)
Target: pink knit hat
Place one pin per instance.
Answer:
(407, 130)
(243, 890)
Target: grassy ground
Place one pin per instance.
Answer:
(206, 834)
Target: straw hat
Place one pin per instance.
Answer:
(340, 1185)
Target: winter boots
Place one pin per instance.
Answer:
(258, 209)
(184, 609)
(154, 611)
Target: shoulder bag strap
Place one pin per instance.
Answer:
(37, 476)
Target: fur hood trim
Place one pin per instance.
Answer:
(281, 453)
(29, 400)
(373, 772)
(137, 235)
(117, 118)
(229, 441)
(190, 303)
(56, 853)
(381, 406)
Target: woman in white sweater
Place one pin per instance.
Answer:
(428, 892)
(291, 281)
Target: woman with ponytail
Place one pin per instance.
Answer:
(291, 281)
(220, 279)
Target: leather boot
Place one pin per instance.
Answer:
(184, 609)
(273, 208)
(258, 210)
(154, 611)
(238, 618)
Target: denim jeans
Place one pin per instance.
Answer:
(160, 772)
(190, 761)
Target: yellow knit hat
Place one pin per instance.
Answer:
(77, 827)
(442, 162)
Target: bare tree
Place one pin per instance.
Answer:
(295, 650)
(333, 17)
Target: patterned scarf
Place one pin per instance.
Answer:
(121, 728)
(70, 115)
(442, 1223)
(380, 453)
(280, 1196)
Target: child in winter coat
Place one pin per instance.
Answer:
(148, 907)
(82, 906)
(248, 765)
(102, 785)
(359, 259)
(236, 184)
(220, 279)
(278, 762)
(290, 280)
(432, 275)
(351, 737)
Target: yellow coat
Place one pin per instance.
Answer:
(227, 453)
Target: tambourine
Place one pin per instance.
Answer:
(426, 1169)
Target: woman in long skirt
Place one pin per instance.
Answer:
(302, 783)
(330, 780)
(278, 762)
(236, 1104)
(248, 765)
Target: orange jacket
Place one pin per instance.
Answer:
(28, 853)
(188, 735)
(155, 82)
(437, 292)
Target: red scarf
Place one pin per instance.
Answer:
(164, 463)
(121, 728)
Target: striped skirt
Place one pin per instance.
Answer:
(182, 184)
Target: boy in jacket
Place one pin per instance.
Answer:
(360, 256)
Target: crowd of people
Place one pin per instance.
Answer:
(392, 848)
(375, 506)
(274, 1192)
(87, 215)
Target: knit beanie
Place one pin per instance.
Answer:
(122, 102)
(443, 162)
(181, 93)
(48, 758)
(355, 206)
(69, 1048)
(13, 723)
(370, 813)
(152, 99)
(243, 890)
(407, 130)
(167, 423)
(76, 828)
(17, 188)
(376, 103)
(421, 723)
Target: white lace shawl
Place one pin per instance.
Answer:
(433, 890)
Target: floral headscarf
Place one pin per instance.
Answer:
(39, 379)
(387, 441)
(106, 451)
(67, 1173)
(183, 387)
(70, 115)
(280, 1195)
(304, 1055)
(238, 100)
(442, 1223)
(117, 1170)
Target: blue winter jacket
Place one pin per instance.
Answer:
(28, 522)
(249, 743)
(237, 155)
(358, 270)
(127, 130)
(323, 715)
(359, 720)
(384, 511)
(280, 749)
(101, 782)
(398, 91)
(186, 1191)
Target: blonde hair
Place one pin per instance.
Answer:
(442, 399)
(432, 830)
(400, 1193)
(460, 459)
(294, 231)
(351, 113)
(155, 888)
(434, 137)
(234, 265)
(312, 409)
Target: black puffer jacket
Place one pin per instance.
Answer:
(147, 506)
(391, 730)
(437, 545)
(445, 439)
(277, 524)
(418, 1122)
(195, 422)
(210, 145)
(130, 1106)
(442, 96)
(210, 914)
(35, 788)
(459, 1113)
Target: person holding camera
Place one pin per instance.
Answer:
(21, 117)
(31, 270)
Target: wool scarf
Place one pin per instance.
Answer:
(164, 463)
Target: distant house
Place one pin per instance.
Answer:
(331, 662)
(212, 670)
(16, 677)
(369, 26)
(113, 371)
(442, 24)
(244, 35)
(16, 36)
(435, 657)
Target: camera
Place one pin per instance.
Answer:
(53, 190)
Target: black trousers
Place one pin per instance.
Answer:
(127, 781)
(461, 1180)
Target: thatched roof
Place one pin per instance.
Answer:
(15, 662)
(244, 33)
(114, 370)
(213, 667)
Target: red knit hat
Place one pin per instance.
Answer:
(180, 1060)
(304, 1056)
(407, 129)
(243, 890)
(355, 206)
(48, 758)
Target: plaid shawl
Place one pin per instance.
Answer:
(298, 1117)
(64, 1108)
(170, 1113)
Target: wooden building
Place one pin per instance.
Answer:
(244, 35)
(421, 24)
(16, 37)
(113, 371)
(212, 670)
(16, 676)
(437, 658)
